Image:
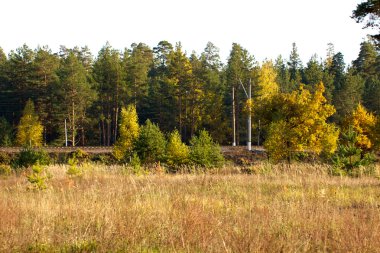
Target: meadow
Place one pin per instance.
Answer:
(268, 208)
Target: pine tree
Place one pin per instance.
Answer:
(76, 96)
(110, 84)
(29, 130)
(180, 80)
(348, 96)
(365, 63)
(204, 151)
(151, 143)
(369, 13)
(313, 73)
(295, 67)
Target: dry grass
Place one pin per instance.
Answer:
(278, 209)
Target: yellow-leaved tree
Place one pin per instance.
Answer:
(30, 129)
(267, 85)
(300, 124)
(177, 151)
(128, 132)
(363, 123)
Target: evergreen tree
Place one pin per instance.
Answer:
(348, 96)
(239, 70)
(137, 67)
(151, 143)
(76, 96)
(313, 73)
(161, 92)
(365, 63)
(295, 67)
(283, 76)
(214, 118)
(20, 73)
(180, 80)
(369, 13)
(110, 85)
(6, 130)
(45, 66)
(204, 151)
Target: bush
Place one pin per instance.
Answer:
(204, 151)
(29, 157)
(79, 155)
(5, 158)
(151, 143)
(38, 177)
(5, 170)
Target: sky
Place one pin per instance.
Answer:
(266, 29)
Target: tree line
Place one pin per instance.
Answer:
(171, 88)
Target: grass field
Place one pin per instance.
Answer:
(278, 209)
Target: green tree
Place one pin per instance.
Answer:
(76, 95)
(137, 67)
(128, 132)
(295, 67)
(204, 151)
(239, 69)
(349, 155)
(214, 118)
(369, 13)
(110, 84)
(161, 92)
(6, 137)
(29, 130)
(313, 73)
(283, 76)
(151, 143)
(45, 67)
(20, 73)
(180, 75)
(349, 95)
(365, 64)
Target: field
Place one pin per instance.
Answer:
(108, 209)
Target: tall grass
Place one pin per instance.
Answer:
(280, 208)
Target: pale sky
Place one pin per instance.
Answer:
(265, 28)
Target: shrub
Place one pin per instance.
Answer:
(5, 170)
(204, 151)
(28, 157)
(5, 158)
(79, 155)
(151, 143)
(73, 170)
(38, 177)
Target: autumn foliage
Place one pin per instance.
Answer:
(301, 124)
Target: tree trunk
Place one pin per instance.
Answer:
(73, 124)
